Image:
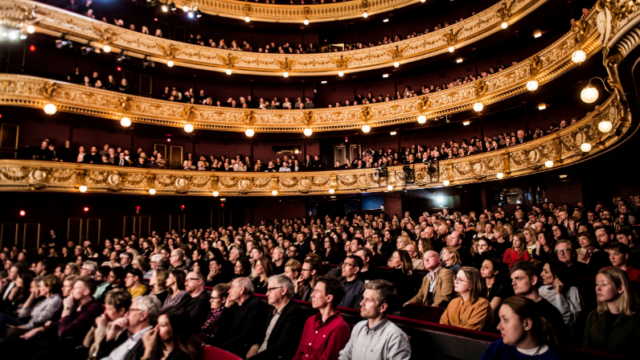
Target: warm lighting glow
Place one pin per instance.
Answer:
(274, 192)
(228, 71)
(308, 132)
(249, 132)
(384, 76)
(152, 191)
(247, 19)
(548, 163)
(323, 82)
(185, 8)
(459, 60)
(331, 191)
(50, 109)
(170, 63)
(126, 122)
(537, 34)
(385, 20)
(478, 106)
(393, 133)
(340, 73)
(446, 183)
(585, 147)
(365, 15)
(396, 64)
(285, 74)
(188, 128)
(389, 187)
(466, 123)
(605, 126)
(578, 56)
(82, 188)
(31, 29)
(562, 176)
(542, 107)
(366, 128)
(107, 48)
(532, 85)
(504, 25)
(164, 8)
(23, 213)
(422, 119)
(306, 21)
(451, 48)
(216, 193)
(423, 1)
(500, 175)
(589, 94)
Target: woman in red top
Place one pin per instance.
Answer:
(619, 254)
(517, 252)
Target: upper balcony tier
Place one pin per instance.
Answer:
(54, 21)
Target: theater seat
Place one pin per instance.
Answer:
(422, 312)
(213, 353)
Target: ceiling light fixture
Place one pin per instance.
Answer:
(532, 85)
(50, 109)
(542, 107)
(396, 64)
(152, 191)
(249, 132)
(504, 25)
(323, 82)
(247, 19)
(537, 34)
(306, 21)
(459, 60)
(228, 71)
(126, 122)
(308, 132)
(107, 48)
(340, 73)
(548, 163)
(579, 56)
(366, 128)
(451, 48)
(466, 123)
(394, 133)
(170, 63)
(585, 147)
(365, 15)
(422, 119)
(478, 106)
(188, 128)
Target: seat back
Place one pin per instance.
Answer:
(422, 312)
(213, 353)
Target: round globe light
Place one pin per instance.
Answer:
(451, 48)
(152, 191)
(106, 48)
(548, 163)
(31, 29)
(82, 188)
(126, 122)
(365, 15)
(422, 119)
(274, 192)
(500, 175)
(228, 71)
(446, 183)
(331, 191)
(247, 19)
(578, 56)
(249, 132)
(50, 109)
(396, 64)
(340, 73)
(504, 25)
(366, 128)
(188, 128)
(589, 94)
(308, 132)
(306, 21)
(478, 106)
(285, 74)
(532, 85)
(164, 8)
(585, 147)
(216, 193)
(389, 187)
(605, 126)
(170, 63)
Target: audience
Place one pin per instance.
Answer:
(437, 286)
(470, 309)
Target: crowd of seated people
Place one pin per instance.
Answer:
(164, 295)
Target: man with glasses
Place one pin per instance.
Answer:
(306, 282)
(249, 319)
(177, 261)
(575, 269)
(284, 324)
(133, 284)
(88, 269)
(353, 285)
(141, 317)
(198, 306)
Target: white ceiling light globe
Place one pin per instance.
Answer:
(548, 163)
(228, 71)
(366, 128)
(422, 119)
(589, 94)
(249, 132)
(274, 192)
(396, 64)
(107, 48)
(578, 56)
(389, 187)
(605, 126)
(188, 128)
(31, 29)
(585, 147)
(170, 63)
(126, 122)
(451, 48)
(500, 175)
(308, 132)
(446, 183)
(331, 191)
(152, 191)
(504, 25)
(82, 188)
(532, 85)
(216, 193)
(478, 106)
(50, 109)
(306, 21)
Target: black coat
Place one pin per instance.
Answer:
(286, 331)
(247, 326)
(198, 308)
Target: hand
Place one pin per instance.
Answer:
(34, 293)
(31, 333)
(116, 326)
(68, 301)
(253, 351)
(150, 340)
(102, 320)
(557, 286)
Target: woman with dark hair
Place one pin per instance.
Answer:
(331, 253)
(175, 286)
(470, 310)
(492, 271)
(20, 292)
(213, 327)
(171, 339)
(242, 268)
(556, 288)
(544, 247)
(400, 275)
(316, 248)
(525, 334)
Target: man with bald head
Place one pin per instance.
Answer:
(437, 286)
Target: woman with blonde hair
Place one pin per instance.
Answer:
(499, 240)
(450, 259)
(470, 310)
(402, 242)
(614, 326)
(263, 269)
(530, 239)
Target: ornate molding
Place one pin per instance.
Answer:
(54, 21)
(27, 91)
(563, 148)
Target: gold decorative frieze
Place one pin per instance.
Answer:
(55, 21)
(555, 60)
(562, 147)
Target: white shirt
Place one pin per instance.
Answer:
(121, 351)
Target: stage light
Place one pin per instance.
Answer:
(340, 73)
(451, 48)
(365, 15)
(286, 74)
(228, 71)
(32, 48)
(247, 19)
(164, 8)
(537, 34)
(185, 8)
(466, 123)
(542, 107)
(86, 209)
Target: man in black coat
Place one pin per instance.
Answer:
(284, 324)
(248, 323)
(199, 304)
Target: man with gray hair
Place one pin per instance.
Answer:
(154, 263)
(141, 317)
(284, 324)
(250, 317)
(89, 269)
(177, 261)
(278, 259)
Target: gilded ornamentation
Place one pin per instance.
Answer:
(481, 88)
(105, 35)
(536, 65)
(398, 52)
(48, 88)
(424, 104)
(286, 64)
(123, 103)
(188, 113)
(307, 118)
(342, 62)
(249, 117)
(451, 38)
(505, 10)
(169, 51)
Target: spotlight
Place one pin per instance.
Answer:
(172, 7)
(286, 74)
(589, 94)
(389, 187)
(188, 128)
(500, 175)
(504, 25)
(542, 107)
(340, 73)
(393, 133)
(306, 21)
(537, 34)
(585, 147)
(82, 188)
(331, 191)
(446, 183)
(50, 109)
(396, 64)
(459, 60)
(31, 29)
(466, 123)
(61, 44)
(605, 126)
(478, 106)
(578, 56)
(228, 71)
(532, 85)
(249, 132)
(384, 76)
(548, 163)
(247, 19)
(323, 82)
(126, 122)
(365, 15)
(185, 8)
(190, 15)
(308, 132)
(122, 59)
(107, 48)
(86, 50)
(451, 48)
(216, 193)
(198, 14)
(170, 63)
(385, 20)
(366, 128)
(164, 8)
(14, 34)
(422, 119)
(274, 192)
(152, 191)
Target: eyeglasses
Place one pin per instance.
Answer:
(347, 264)
(192, 279)
(563, 251)
(274, 288)
(460, 280)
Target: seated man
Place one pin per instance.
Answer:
(133, 284)
(437, 285)
(199, 304)
(116, 305)
(141, 317)
(326, 333)
(249, 319)
(378, 336)
(353, 285)
(284, 324)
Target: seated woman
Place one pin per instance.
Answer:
(242, 268)
(263, 270)
(556, 288)
(19, 294)
(171, 339)
(544, 247)
(525, 335)
(158, 284)
(587, 247)
(400, 275)
(213, 328)
(517, 253)
(492, 272)
(470, 310)
(614, 327)
(450, 259)
(619, 255)
(331, 254)
(483, 251)
(499, 240)
(175, 286)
